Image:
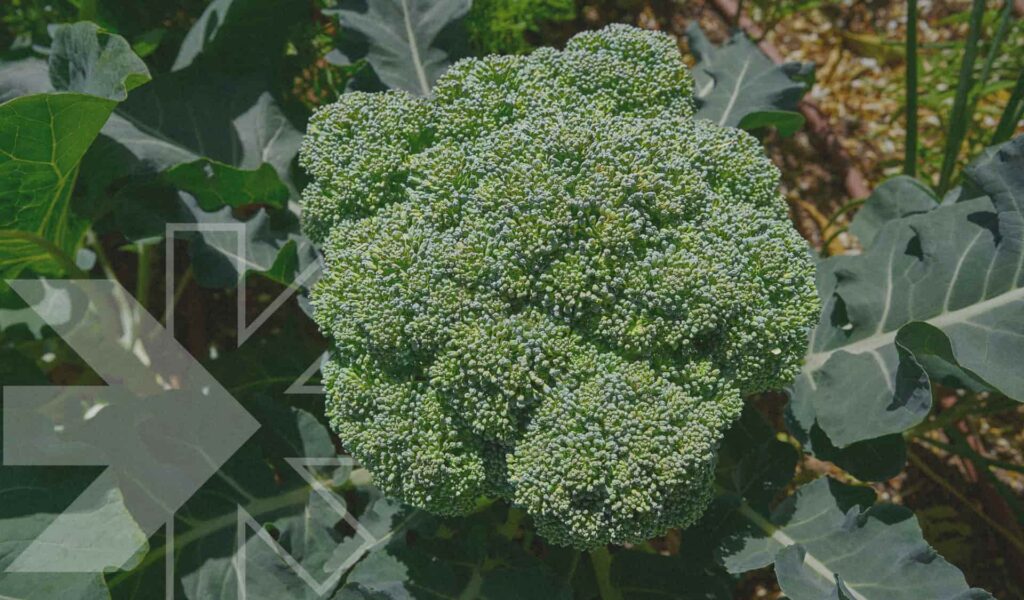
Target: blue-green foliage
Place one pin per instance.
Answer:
(549, 283)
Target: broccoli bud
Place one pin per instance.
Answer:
(549, 283)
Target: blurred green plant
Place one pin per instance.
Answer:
(23, 22)
(966, 108)
(769, 13)
(505, 26)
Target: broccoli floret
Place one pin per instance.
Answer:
(549, 283)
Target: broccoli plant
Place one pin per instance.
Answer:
(553, 286)
(549, 283)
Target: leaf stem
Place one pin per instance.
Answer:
(101, 257)
(414, 51)
(124, 308)
(960, 116)
(951, 489)
(601, 560)
(262, 506)
(827, 242)
(512, 523)
(993, 51)
(1011, 114)
(179, 291)
(910, 151)
(962, 409)
(142, 275)
(571, 571)
(974, 456)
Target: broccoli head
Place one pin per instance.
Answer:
(549, 283)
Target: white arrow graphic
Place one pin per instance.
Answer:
(162, 426)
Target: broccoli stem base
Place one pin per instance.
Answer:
(601, 560)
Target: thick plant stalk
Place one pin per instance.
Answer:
(601, 560)
(821, 133)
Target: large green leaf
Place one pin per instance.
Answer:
(241, 34)
(896, 198)
(838, 540)
(399, 38)
(876, 459)
(216, 185)
(738, 86)
(223, 139)
(43, 138)
(189, 115)
(266, 144)
(828, 540)
(752, 464)
(33, 498)
(753, 468)
(270, 244)
(955, 272)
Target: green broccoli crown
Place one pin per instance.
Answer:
(549, 283)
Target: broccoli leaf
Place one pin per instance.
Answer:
(400, 38)
(752, 463)
(876, 459)
(33, 498)
(188, 115)
(241, 34)
(956, 272)
(219, 136)
(738, 86)
(895, 198)
(269, 243)
(44, 139)
(216, 185)
(829, 540)
(235, 149)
